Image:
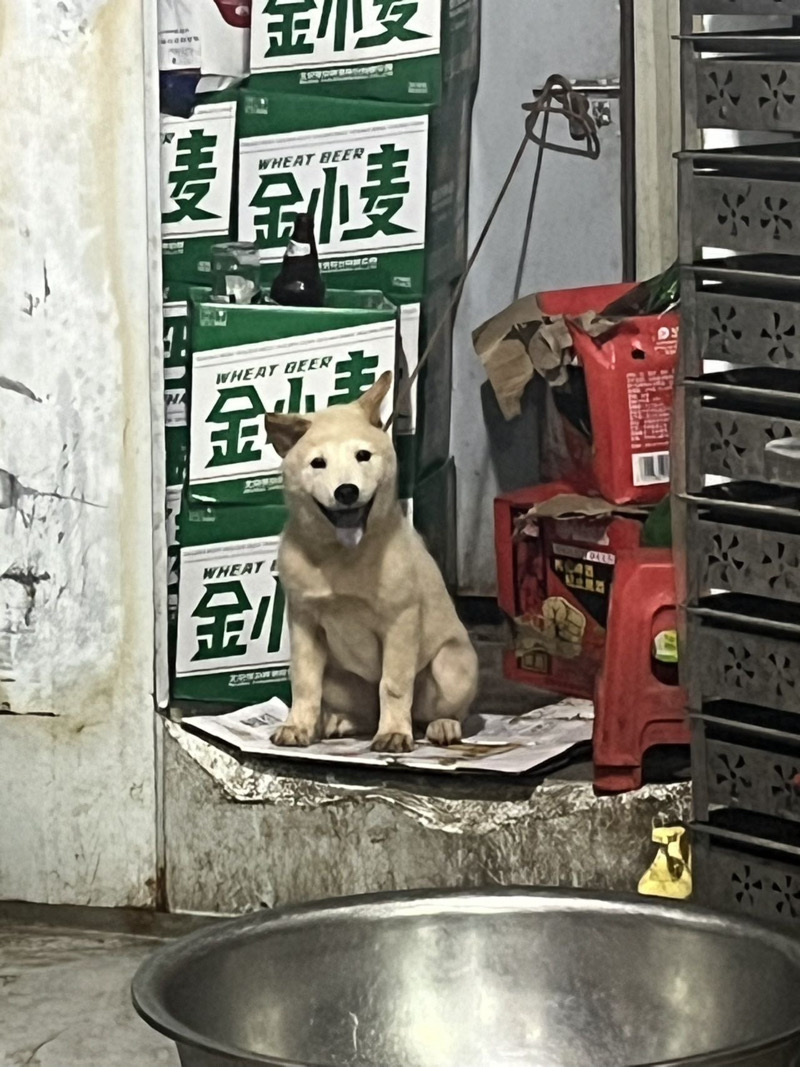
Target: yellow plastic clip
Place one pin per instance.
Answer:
(670, 874)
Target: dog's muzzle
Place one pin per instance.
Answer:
(349, 523)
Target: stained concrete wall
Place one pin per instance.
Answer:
(77, 748)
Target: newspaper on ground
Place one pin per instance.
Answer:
(505, 744)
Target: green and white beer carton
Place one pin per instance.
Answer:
(405, 422)
(461, 42)
(176, 432)
(372, 49)
(248, 360)
(387, 185)
(434, 513)
(422, 425)
(176, 330)
(410, 310)
(233, 639)
(196, 187)
(448, 185)
(173, 511)
(393, 50)
(435, 382)
(359, 166)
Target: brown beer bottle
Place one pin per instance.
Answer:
(299, 283)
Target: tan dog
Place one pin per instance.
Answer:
(374, 635)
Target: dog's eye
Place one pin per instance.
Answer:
(319, 463)
(363, 456)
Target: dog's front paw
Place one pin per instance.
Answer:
(444, 732)
(393, 743)
(293, 736)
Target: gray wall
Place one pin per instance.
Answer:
(576, 237)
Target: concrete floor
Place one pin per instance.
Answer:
(65, 1000)
(65, 973)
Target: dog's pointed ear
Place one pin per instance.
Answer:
(284, 431)
(373, 398)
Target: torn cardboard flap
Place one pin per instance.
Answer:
(522, 341)
(571, 506)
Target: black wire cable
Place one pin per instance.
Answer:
(556, 98)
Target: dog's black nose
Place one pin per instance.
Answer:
(346, 494)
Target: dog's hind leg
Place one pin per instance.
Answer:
(445, 691)
(349, 704)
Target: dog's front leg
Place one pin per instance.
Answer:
(399, 671)
(304, 725)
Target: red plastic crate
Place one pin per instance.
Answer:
(630, 385)
(566, 571)
(638, 702)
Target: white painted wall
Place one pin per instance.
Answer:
(77, 749)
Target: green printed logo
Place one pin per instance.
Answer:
(297, 401)
(192, 176)
(288, 27)
(238, 414)
(197, 172)
(234, 387)
(365, 185)
(383, 193)
(274, 199)
(354, 376)
(222, 613)
(278, 198)
(394, 17)
(296, 27)
(175, 341)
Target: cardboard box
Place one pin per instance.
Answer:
(176, 330)
(404, 427)
(387, 184)
(609, 406)
(434, 515)
(176, 432)
(403, 51)
(233, 641)
(248, 360)
(435, 383)
(556, 555)
(422, 428)
(196, 187)
(448, 186)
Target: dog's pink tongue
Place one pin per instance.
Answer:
(349, 536)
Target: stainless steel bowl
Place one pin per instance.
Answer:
(511, 978)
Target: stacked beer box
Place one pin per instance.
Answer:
(359, 112)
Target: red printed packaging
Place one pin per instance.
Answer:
(554, 582)
(608, 432)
